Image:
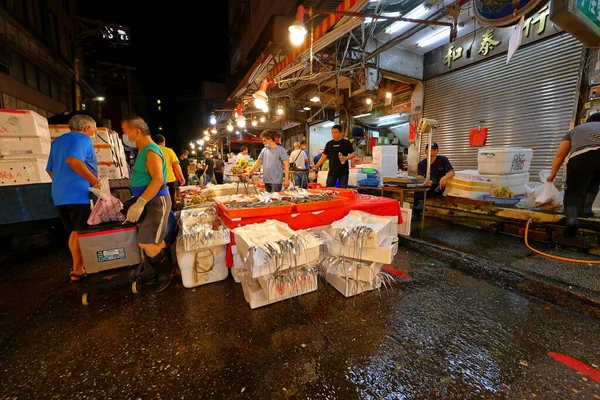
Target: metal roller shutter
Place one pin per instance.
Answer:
(532, 109)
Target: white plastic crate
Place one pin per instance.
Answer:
(23, 171)
(202, 266)
(23, 123)
(504, 160)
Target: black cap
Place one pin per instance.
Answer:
(434, 145)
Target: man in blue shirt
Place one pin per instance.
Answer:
(277, 165)
(73, 167)
(440, 171)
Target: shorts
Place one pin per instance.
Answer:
(74, 216)
(153, 227)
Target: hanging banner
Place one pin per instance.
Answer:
(500, 13)
(478, 137)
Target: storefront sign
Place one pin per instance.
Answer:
(500, 13)
(581, 18)
(484, 43)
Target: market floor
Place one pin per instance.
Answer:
(441, 335)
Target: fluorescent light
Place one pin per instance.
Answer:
(362, 115)
(328, 124)
(315, 99)
(387, 117)
(417, 13)
(307, 108)
(368, 20)
(435, 37)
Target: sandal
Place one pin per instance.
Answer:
(77, 277)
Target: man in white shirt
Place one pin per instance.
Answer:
(242, 154)
(298, 162)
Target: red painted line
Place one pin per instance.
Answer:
(397, 273)
(579, 366)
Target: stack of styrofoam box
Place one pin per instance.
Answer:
(380, 247)
(24, 148)
(260, 283)
(201, 258)
(385, 160)
(467, 184)
(112, 162)
(505, 166)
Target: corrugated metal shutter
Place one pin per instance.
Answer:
(527, 103)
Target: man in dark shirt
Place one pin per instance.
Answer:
(440, 171)
(184, 162)
(338, 151)
(209, 166)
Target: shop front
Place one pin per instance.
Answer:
(528, 101)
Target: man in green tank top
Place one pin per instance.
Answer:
(148, 185)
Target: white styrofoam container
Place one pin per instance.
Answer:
(383, 253)
(282, 288)
(23, 123)
(58, 130)
(322, 178)
(112, 170)
(376, 238)
(24, 146)
(389, 149)
(515, 182)
(366, 273)
(469, 189)
(105, 153)
(504, 160)
(256, 296)
(350, 287)
(23, 171)
(261, 265)
(404, 227)
(199, 267)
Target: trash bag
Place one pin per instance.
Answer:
(107, 208)
(545, 194)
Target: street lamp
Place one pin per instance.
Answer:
(99, 99)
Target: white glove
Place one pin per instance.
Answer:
(134, 212)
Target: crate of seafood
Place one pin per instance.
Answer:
(250, 206)
(307, 201)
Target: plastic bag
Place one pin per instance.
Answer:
(545, 194)
(107, 208)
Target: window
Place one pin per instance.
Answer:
(31, 75)
(17, 68)
(45, 83)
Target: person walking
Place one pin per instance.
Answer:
(338, 151)
(174, 172)
(149, 185)
(298, 161)
(219, 169)
(184, 163)
(209, 167)
(73, 167)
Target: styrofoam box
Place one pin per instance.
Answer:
(379, 150)
(262, 266)
(23, 171)
(283, 289)
(24, 146)
(404, 227)
(376, 238)
(256, 296)
(515, 182)
(383, 253)
(58, 130)
(199, 267)
(350, 287)
(503, 160)
(111, 172)
(366, 273)
(105, 137)
(322, 178)
(104, 153)
(23, 123)
(469, 189)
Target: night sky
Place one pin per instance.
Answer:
(165, 44)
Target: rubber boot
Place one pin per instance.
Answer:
(145, 273)
(572, 223)
(164, 267)
(588, 202)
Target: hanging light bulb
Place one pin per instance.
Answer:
(315, 98)
(388, 95)
(262, 119)
(213, 130)
(213, 119)
(297, 29)
(265, 108)
(254, 121)
(260, 96)
(368, 100)
(280, 110)
(229, 126)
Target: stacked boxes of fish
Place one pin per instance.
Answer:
(360, 244)
(274, 262)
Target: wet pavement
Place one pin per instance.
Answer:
(441, 335)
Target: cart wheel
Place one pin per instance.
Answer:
(85, 299)
(134, 287)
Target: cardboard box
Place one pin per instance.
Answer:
(23, 123)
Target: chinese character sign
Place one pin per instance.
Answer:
(488, 42)
(591, 9)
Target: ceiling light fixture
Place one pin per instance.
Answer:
(254, 121)
(315, 98)
(307, 108)
(417, 13)
(362, 115)
(262, 119)
(213, 130)
(260, 96)
(229, 126)
(213, 119)
(280, 110)
(297, 29)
